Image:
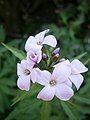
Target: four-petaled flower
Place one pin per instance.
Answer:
(77, 68)
(56, 84)
(25, 74)
(40, 39)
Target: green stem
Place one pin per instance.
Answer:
(45, 110)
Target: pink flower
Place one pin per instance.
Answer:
(34, 55)
(77, 68)
(55, 84)
(25, 73)
(38, 41)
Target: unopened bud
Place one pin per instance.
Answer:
(44, 56)
(62, 60)
(57, 55)
(56, 51)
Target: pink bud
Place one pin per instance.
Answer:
(62, 60)
(44, 56)
(56, 51)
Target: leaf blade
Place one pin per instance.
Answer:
(18, 53)
(68, 111)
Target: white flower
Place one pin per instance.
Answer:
(25, 74)
(56, 84)
(40, 39)
(77, 68)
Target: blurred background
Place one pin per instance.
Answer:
(69, 21)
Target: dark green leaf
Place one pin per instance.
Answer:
(82, 99)
(18, 53)
(68, 111)
(2, 34)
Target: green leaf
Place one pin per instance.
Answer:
(64, 17)
(24, 94)
(82, 99)
(68, 111)
(80, 56)
(87, 61)
(18, 53)
(2, 34)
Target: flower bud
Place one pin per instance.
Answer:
(44, 56)
(34, 55)
(62, 60)
(56, 51)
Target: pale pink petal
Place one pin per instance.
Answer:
(31, 56)
(63, 61)
(34, 56)
(50, 40)
(44, 77)
(78, 67)
(19, 69)
(61, 73)
(40, 36)
(64, 92)
(68, 82)
(24, 83)
(39, 54)
(41, 77)
(34, 75)
(47, 93)
(76, 80)
(31, 43)
(27, 64)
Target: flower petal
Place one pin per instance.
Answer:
(76, 80)
(24, 83)
(50, 40)
(31, 56)
(40, 36)
(78, 67)
(33, 75)
(69, 83)
(39, 54)
(63, 61)
(47, 93)
(34, 56)
(64, 92)
(19, 69)
(31, 40)
(27, 64)
(31, 43)
(61, 73)
(41, 77)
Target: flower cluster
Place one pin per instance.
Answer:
(64, 73)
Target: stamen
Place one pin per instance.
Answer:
(39, 43)
(52, 82)
(26, 72)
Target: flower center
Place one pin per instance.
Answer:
(52, 82)
(39, 43)
(26, 72)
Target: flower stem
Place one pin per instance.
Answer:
(45, 111)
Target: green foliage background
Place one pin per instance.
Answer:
(69, 21)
